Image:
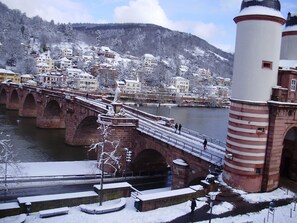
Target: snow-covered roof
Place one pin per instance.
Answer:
(6, 71)
(131, 81)
(290, 28)
(73, 70)
(84, 75)
(288, 64)
(42, 64)
(26, 75)
(147, 55)
(260, 10)
(171, 87)
(105, 48)
(180, 78)
(64, 59)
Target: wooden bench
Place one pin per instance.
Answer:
(53, 212)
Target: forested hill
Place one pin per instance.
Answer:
(138, 39)
(129, 39)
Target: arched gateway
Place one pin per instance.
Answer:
(288, 168)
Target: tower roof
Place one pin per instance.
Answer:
(291, 19)
(274, 4)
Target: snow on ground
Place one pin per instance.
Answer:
(130, 215)
(70, 168)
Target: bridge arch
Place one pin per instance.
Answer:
(87, 131)
(288, 166)
(29, 108)
(150, 160)
(52, 116)
(52, 110)
(3, 96)
(13, 100)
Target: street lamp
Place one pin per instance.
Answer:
(271, 211)
(212, 197)
(128, 159)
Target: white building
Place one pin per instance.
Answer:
(149, 61)
(65, 63)
(85, 82)
(181, 84)
(51, 79)
(67, 52)
(129, 86)
(44, 62)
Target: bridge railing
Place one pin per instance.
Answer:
(188, 147)
(202, 136)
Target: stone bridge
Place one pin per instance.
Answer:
(154, 146)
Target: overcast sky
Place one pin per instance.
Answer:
(211, 20)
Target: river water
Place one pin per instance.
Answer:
(32, 144)
(212, 122)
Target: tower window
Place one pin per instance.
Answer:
(258, 170)
(293, 84)
(267, 64)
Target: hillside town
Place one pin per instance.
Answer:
(99, 70)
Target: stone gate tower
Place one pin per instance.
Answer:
(255, 73)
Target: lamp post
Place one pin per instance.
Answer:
(212, 197)
(102, 174)
(128, 159)
(271, 209)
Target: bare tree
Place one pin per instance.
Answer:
(7, 159)
(105, 157)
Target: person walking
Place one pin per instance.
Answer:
(176, 126)
(193, 205)
(205, 144)
(179, 128)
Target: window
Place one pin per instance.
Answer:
(258, 171)
(267, 64)
(293, 85)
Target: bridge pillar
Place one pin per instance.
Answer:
(180, 173)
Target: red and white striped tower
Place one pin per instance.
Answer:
(289, 39)
(256, 62)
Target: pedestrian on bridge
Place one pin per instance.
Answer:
(176, 126)
(179, 128)
(205, 144)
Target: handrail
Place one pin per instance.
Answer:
(217, 160)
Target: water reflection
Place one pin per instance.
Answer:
(34, 144)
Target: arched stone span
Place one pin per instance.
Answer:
(3, 97)
(196, 169)
(13, 102)
(288, 167)
(52, 116)
(29, 108)
(87, 131)
(149, 160)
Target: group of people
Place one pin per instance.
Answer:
(178, 127)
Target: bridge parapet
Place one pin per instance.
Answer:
(120, 121)
(167, 121)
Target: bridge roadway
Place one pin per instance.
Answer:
(189, 140)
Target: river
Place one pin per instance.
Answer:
(212, 122)
(32, 144)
